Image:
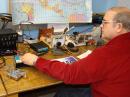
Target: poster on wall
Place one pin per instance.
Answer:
(51, 11)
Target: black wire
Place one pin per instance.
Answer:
(5, 18)
(5, 24)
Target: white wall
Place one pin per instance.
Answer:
(111, 3)
(4, 7)
(100, 6)
(123, 3)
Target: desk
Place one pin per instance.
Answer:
(34, 79)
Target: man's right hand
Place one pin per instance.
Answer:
(29, 59)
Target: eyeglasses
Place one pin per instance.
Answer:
(106, 21)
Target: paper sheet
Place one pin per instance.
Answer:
(84, 54)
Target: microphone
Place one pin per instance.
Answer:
(65, 30)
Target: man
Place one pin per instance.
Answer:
(107, 68)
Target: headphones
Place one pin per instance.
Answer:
(71, 47)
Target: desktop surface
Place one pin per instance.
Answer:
(34, 79)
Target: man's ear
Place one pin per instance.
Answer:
(119, 27)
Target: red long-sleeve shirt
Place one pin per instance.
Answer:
(107, 69)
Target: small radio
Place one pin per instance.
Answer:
(40, 47)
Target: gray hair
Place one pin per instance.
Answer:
(122, 16)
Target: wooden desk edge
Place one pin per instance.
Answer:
(3, 92)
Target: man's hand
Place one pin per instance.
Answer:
(29, 59)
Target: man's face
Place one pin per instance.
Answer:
(108, 26)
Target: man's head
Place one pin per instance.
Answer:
(115, 22)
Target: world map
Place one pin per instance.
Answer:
(51, 11)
